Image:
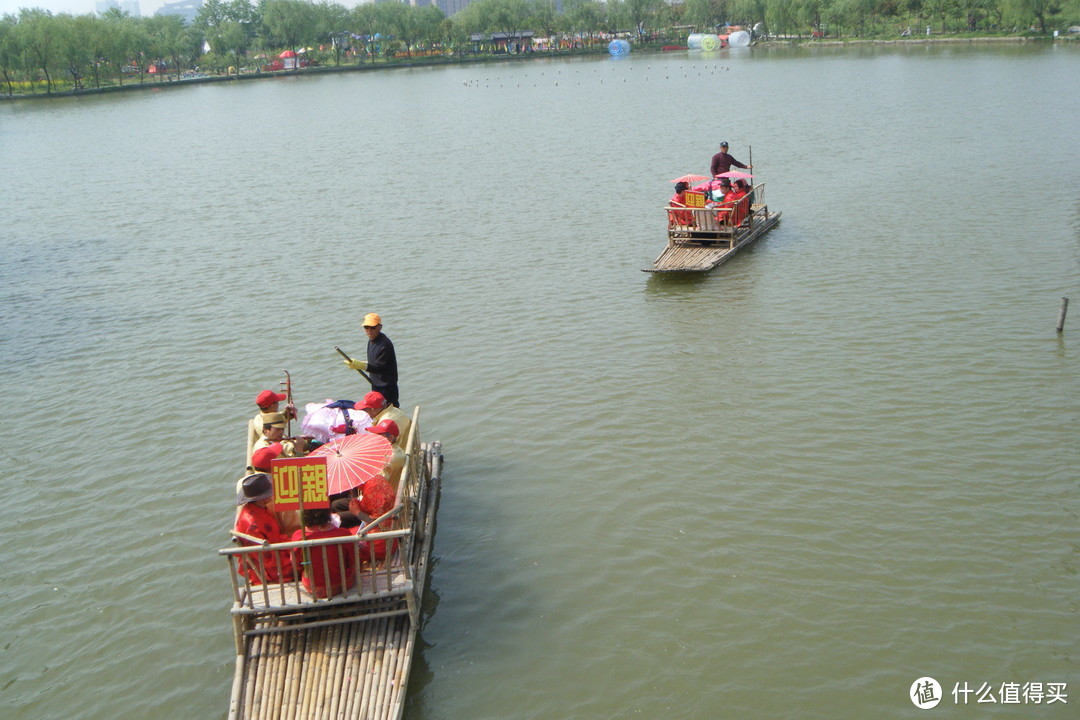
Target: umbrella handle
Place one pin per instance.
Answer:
(364, 375)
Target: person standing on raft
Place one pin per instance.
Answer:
(722, 162)
(381, 363)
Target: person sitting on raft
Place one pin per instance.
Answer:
(741, 196)
(680, 217)
(725, 207)
(326, 560)
(378, 409)
(268, 402)
(273, 433)
(256, 520)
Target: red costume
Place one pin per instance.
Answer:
(680, 217)
(378, 500)
(334, 555)
(260, 522)
(742, 207)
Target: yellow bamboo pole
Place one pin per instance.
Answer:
(353, 699)
(257, 681)
(292, 674)
(311, 670)
(273, 705)
(346, 645)
(326, 687)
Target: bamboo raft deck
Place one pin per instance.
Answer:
(301, 657)
(706, 243)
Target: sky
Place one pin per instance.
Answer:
(75, 7)
(87, 7)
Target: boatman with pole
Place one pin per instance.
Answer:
(722, 162)
(381, 363)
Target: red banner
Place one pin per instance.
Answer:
(297, 479)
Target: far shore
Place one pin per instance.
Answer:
(173, 82)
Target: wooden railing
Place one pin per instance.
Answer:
(391, 576)
(715, 221)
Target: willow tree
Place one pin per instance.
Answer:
(9, 50)
(288, 23)
(38, 41)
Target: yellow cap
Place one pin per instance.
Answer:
(372, 319)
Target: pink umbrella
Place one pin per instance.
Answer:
(735, 174)
(690, 178)
(353, 460)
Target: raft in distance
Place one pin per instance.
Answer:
(698, 241)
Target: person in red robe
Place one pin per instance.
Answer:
(680, 217)
(327, 561)
(256, 520)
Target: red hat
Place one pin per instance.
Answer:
(372, 401)
(269, 397)
(386, 427)
(260, 459)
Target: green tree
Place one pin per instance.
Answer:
(364, 21)
(10, 50)
(288, 23)
(509, 16)
(331, 24)
(1027, 12)
(704, 14)
(544, 19)
(584, 17)
(171, 40)
(780, 15)
(640, 12)
(39, 43)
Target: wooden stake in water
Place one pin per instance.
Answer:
(1061, 315)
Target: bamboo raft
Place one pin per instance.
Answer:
(704, 242)
(301, 657)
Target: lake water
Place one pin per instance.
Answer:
(786, 489)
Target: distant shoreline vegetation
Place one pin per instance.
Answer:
(47, 55)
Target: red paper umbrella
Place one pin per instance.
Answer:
(690, 178)
(353, 460)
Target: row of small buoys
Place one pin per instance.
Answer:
(619, 47)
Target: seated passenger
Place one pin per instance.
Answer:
(727, 204)
(326, 560)
(378, 499)
(679, 217)
(268, 402)
(273, 432)
(392, 472)
(742, 199)
(256, 520)
(378, 409)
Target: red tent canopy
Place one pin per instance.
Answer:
(287, 54)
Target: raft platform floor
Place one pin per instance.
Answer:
(356, 670)
(691, 254)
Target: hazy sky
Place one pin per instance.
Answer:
(86, 7)
(75, 7)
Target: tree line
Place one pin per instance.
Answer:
(40, 50)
